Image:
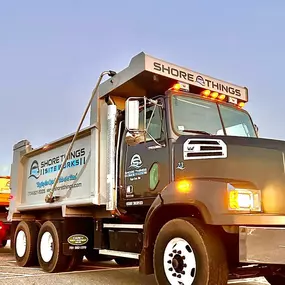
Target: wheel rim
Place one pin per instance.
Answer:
(179, 262)
(21, 243)
(46, 247)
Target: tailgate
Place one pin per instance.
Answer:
(41, 169)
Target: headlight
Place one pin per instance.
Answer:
(244, 199)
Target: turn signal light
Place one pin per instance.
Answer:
(184, 186)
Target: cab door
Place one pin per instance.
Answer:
(147, 167)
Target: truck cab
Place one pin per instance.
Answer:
(148, 160)
(170, 175)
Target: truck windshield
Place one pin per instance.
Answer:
(194, 115)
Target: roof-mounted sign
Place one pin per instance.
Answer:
(134, 80)
(193, 78)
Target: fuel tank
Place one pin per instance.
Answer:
(250, 163)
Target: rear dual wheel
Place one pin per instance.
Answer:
(50, 251)
(43, 246)
(25, 240)
(188, 252)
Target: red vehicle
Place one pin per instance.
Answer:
(4, 208)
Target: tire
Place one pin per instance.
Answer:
(275, 280)
(50, 249)
(126, 262)
(25, 244)
(188, 252)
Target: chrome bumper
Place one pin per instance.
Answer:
(262, 245)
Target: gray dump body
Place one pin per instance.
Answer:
(34, 172)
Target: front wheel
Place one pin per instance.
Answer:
(189, 252)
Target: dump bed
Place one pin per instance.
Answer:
(36, 170)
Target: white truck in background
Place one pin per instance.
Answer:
(170, 175)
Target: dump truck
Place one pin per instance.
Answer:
(4, 207)
(170, 175)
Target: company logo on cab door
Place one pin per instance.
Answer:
(136, 161)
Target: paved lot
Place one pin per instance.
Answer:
(106, 273)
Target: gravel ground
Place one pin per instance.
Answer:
(100, 273)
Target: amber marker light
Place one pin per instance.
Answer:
(241, 104)
(214, 95)
(184, 186)
(176, 86)
(206, 92)
(221, 97)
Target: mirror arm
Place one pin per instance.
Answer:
(159, 144)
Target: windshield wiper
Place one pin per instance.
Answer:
(197, 132)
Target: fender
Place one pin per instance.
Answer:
(205, 198)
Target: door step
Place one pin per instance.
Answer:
(116, 253)
(123, 226)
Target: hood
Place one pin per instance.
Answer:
(244, 162)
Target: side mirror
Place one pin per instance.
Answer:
(132, 115)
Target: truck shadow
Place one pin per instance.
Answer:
(96, 272)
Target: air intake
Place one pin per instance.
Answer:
(204, 149)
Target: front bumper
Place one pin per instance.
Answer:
(263, 245)
(250, 219)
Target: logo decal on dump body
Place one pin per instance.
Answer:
(51, 165)
(34, 170)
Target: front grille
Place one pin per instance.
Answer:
(204, 149)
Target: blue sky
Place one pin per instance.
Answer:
(51, 53)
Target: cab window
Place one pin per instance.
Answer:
(153, 122)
